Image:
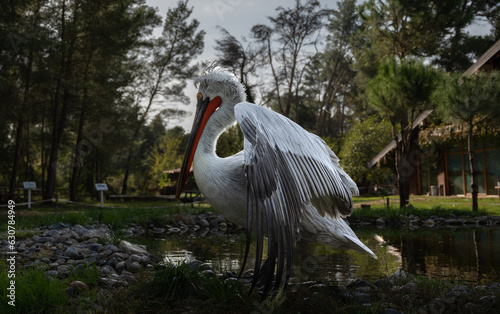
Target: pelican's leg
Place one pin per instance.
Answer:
(264, 273)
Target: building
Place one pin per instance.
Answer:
(443, 168)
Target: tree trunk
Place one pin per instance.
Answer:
(473, 171)
(20, 124)
(127, 172)
(154, 91)
(77, 160)
(60, 124)
(73, 187)
(17, 157)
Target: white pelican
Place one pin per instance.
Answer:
(286, 183)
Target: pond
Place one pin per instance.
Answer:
(471, 255)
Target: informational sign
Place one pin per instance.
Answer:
(101, 186)
(28, 185)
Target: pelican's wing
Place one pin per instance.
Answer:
(286, 167)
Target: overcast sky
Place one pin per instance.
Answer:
(237, 17)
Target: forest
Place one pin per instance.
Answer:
(79, 80)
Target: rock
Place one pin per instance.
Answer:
(158, 230)
(194, 264)
(79, 285)
(437, 306)
(61, 225)
(488, 300)
(462, 289)
(61, 239)
(120, 266)
(174, 230)
(76, 287)
(203, 223)
(397, 276)
(390, 311)
(52, 273)
(134, 267)
(209, 273)
(358, 297)
(112, 261)
(222, 226)
(72, 253)
(96, 247)
(380, 222)
(127, 233)
(141, 259)
(45, 240)
(63, 270)
(410, 287)
(382, 284)
(112, 248)
(119, 284)
(107, 282)
(429, 223)
(454, 222)
(214, 225)
(471, 222)
(133, 248)
(107, 269)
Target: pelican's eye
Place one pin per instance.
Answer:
(199, 96)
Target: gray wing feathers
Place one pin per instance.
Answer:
(319, 179)
(286, 167)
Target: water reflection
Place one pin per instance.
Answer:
(463, 254)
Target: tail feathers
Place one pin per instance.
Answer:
(357, 245)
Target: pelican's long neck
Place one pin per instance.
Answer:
(216, 124)
(214, 175)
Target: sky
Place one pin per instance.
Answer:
(237, 17)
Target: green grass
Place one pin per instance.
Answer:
(36, 294)
(177, 288)
(140, 213)
(425, 206)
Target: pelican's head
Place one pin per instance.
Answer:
(218, 92)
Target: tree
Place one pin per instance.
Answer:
(167, 68)
(243, 61)
(328, 79)
(400, 92)
(472, 100)
(427, 28)
(458, 49)
(363, 141)
(22, 45)
(292, 29)
(167, 155)
(102, 41)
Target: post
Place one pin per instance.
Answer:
(29, 199)
(101, 187)
(57, 202)
(29, 185)
(387, 203)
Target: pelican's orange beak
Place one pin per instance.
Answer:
(204, 109)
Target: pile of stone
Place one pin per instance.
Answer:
(200, 224)
(62, 248)
(414, 222)
(471, 299)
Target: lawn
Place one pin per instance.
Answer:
(119, 213)
(427, 204)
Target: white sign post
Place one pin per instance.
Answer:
(101, 187)
(29, 185)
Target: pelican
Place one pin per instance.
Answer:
(287, 183)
